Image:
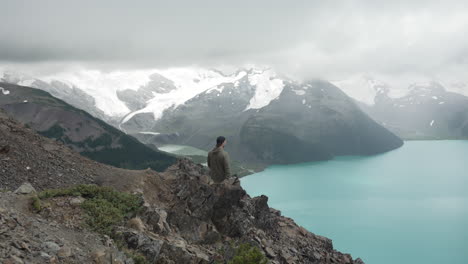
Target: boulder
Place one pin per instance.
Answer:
(76, 201)
(64, 252)
(25, 188)
(51, 247)
(146, 245)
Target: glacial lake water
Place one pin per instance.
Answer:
(183, 150)
(407, 206)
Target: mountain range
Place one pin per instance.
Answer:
(422, 110)
(267, 118)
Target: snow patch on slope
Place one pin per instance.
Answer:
(189, 82)
(456, 87)
(27, 82)
(267, 88)
(4, 91)
(361, 88)
(103, 86)
(149, 133)
(299, 92)
(365, 88)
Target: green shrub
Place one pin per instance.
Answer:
(248, 254)
(137, 258)
(36, 204)
(104, 206)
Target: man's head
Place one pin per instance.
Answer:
(220, 141)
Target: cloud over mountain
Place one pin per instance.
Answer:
(328, 39)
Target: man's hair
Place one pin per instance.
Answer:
(220, 140)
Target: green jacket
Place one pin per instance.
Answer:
(218, 162)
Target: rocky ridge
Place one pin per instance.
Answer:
(185, 218)
(26, 156)
(80, 131)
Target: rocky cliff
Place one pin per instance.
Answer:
(183, 217)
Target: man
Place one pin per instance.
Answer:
(218, 161)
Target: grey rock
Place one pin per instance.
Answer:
(270, 252)
(146, 245)
(45, 255)
(51, 246)
(14, 260)
(64, 252)
(75, 201)
(25, 188)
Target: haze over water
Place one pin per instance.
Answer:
(407, 206)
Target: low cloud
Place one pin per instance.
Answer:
(309, 39)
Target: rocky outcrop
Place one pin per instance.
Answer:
(207, 218)
(185, 217)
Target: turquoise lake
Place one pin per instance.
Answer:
(407, 206)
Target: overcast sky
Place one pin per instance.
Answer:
(308, 38)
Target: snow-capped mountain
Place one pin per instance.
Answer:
(121, 95)
(183, 86)
(268, 118)
(62, 89)
(239, 92)
(366, 87)
(426, 110)
(304, 122)
(362, 88)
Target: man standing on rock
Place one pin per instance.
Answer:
(218, 161)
